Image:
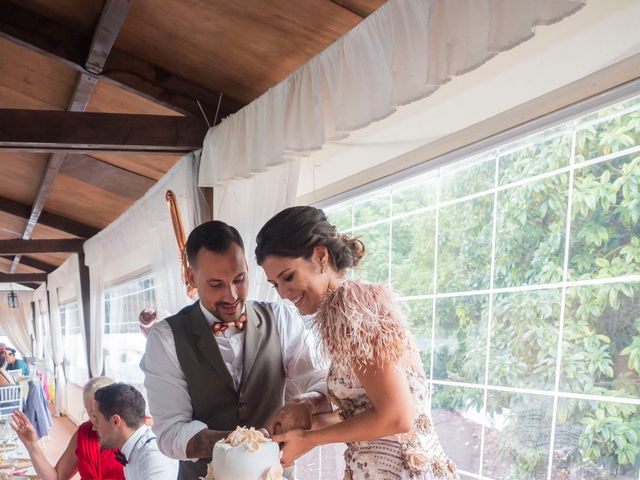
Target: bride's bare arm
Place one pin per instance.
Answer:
(393, 411)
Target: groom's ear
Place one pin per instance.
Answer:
(191, 277)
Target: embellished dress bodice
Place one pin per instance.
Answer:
(360, 325)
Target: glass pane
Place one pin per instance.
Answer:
(608, 136)
(598, 440)
(461, 338)
(371, 208)
(524, 339)
(412, 254)
(407, 198)
(605, 225)
(517, 436)
(374, 266)
(464, 245)
(419, 314)
(601, 340)
(476, 178)
(457, 418)
(340, 218)
(123, 339)
(530, 233)
(539, 154)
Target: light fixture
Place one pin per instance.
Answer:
(12, 299)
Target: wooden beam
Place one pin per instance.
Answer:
(21, 247)
(22, 277)
(33, 286)
(46, 36)
(105, 176)
(106, 32)
(82, 132)
(355, 7)
(33, 263)
(85, 294)
(49, 219)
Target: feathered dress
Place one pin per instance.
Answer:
(360, 325)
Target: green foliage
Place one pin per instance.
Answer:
(600, 348)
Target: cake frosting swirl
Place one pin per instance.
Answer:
(245, 454)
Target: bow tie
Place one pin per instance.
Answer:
(218, 328)
(120, 458)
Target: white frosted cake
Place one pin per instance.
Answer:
(246, 454)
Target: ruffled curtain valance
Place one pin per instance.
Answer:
(402, 52)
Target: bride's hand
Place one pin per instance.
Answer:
(296, 444)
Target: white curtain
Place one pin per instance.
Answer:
(247, 204)
(402, 52)
(16, 322)
(146, 229)
(66, 274)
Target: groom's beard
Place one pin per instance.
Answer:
(229, 312)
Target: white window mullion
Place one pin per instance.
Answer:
(563, 300)
(494, 229)
(435, 291)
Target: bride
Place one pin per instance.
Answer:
(376, 379)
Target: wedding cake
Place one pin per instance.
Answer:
(246, 454)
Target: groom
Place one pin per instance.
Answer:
(225, 361)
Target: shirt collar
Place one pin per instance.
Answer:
(128, 446)
(210, 317)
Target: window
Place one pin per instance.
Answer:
(124, 343)
(519, 270)
(75, 356)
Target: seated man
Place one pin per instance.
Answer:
(119, 420)
(14, 363)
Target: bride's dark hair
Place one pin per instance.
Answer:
(296, 231)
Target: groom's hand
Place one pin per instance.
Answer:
(294, 415)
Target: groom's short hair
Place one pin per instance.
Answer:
(215, 236)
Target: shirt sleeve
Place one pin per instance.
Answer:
(167, 393)
(303, 369)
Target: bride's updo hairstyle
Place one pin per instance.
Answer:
(296, 231)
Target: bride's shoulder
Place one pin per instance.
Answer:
(357, 295)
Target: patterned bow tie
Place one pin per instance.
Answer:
(120, 458)
(218, 328)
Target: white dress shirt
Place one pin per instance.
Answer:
(144, 460)
(167, 391)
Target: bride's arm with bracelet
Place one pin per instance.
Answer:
(392, 412)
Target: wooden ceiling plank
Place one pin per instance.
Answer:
(38, 33)
(105, 176)
(111, 19)
(51, 131)
(22, 277)
(33, 263)
(49, 219)
(21, 247)
(46, 36)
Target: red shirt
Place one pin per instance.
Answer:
(95, 463)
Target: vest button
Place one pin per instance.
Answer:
(241, 404)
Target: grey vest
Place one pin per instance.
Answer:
(214, 398)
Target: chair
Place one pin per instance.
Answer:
(10, 400)
(15, 374)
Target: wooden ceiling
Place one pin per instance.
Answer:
(68, 175)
